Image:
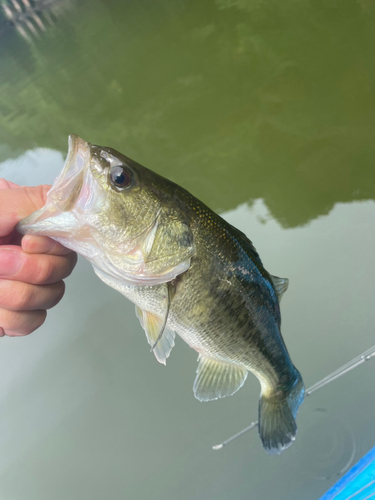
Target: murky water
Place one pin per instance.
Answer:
(266, 111)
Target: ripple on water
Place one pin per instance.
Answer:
(330, 446)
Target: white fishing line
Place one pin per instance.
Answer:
(350, 365)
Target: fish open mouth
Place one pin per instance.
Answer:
(72, 187)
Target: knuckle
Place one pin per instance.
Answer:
(60, 250)
(40, 318)
(72, 261)
(66, 265)
(11, 322)
(44, 270)
(14, 295)
(36, 321)
(61, 290)
(3, 317)
(58, 294)
(23, 298)
(16, 323)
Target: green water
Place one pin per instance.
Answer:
(263, 109)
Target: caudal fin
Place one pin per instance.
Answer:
(277, 426)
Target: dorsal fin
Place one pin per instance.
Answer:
(280, 285)
(246, 242)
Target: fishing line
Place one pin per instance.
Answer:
(350, 365)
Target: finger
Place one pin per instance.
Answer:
(18, 203)
(19, 296)
(43, 244)
(17, 323)
(4, 184)
(36, 269)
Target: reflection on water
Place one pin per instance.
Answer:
(264, 110)
(270, 100)
(30, 17)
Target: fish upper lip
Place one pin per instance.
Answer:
(67, 187)
(78, 152)
(77, 161)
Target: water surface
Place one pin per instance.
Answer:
(266, 113)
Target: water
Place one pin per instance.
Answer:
(265, 111)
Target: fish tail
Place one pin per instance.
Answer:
(277, 413)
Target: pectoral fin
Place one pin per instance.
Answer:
(160, 338)
(216, 379)
(171, 290)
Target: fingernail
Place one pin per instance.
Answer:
(10, 263)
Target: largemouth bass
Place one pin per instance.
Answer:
(187, 271)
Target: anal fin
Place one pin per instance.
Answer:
(217, 379)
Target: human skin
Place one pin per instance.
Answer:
(32, 268)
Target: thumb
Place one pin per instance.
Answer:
(19, 202)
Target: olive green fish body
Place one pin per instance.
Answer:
(225, 305)
(187, 271)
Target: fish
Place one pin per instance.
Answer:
(188, 272)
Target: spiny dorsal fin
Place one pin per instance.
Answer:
(156, 333)
(216, 379)
(280, 285)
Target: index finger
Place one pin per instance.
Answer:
(37, 269)
(19, 202)
(43, 244)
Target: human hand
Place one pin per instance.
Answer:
(31, 267)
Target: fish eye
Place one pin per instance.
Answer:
(120, 177)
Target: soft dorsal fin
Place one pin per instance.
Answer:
(216, 379)
(160, 338)
(280, 285)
